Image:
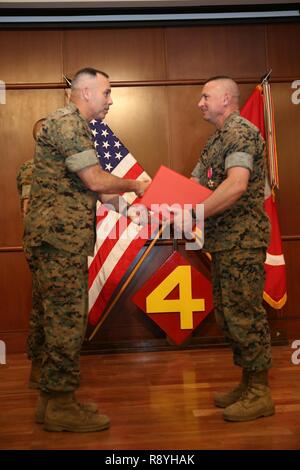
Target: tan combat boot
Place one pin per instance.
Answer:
(222, 400)
(255, 402)
(34, 378)
(63, 413)
(43, 402)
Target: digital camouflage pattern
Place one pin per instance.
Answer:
(237, 239)
(24, 178)
(36, 336)
(62, 208)
(238, 282)
(59, 234)
(245, 224)
(59, 315)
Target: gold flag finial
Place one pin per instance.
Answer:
(67, 80)
(265, 77)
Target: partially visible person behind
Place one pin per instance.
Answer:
(59, 235)
(24, 180)
(24, 175)
(236, 228)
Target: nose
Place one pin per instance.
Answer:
(200, 103)
(110, 101)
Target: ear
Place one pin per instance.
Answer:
(226, 99)
(86, 94)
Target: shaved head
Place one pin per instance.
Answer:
(226, 85)
(219, 98)
(91, 93)
(85, 78)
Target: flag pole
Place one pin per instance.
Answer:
(266, 77)
(67, 80)
(128, 280)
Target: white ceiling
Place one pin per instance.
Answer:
(135, 3)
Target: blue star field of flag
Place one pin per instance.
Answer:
(109, 148)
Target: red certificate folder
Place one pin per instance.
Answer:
(169, 187)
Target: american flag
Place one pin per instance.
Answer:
(113, 255)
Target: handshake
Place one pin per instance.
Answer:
(141, 186)
(172, 197)
(170, 200)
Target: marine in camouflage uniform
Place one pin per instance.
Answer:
(35, 339)
(59, 234)
(237, 239)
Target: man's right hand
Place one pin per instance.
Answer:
(141, 187)
(25, 204)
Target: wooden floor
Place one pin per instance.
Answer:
(160, 400)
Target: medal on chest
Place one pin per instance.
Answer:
(210, 182)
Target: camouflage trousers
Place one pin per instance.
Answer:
(58, 318)
(238, 282)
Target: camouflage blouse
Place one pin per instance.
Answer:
(245, 224)
(62, 208)
(24, 178)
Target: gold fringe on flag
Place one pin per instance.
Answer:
(270, 135)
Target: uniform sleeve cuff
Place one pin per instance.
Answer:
(81, 160)
(25, 191)
(242, 159)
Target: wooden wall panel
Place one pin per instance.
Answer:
(15, 340)
(21, 111)
(159, 123)
(15, 291)
(188, 130)
(282, 326)
(139, 117)
(283, 49)
(31, 56)
(291, 309)
(201, 52)
(125, 54)
(287, 117)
